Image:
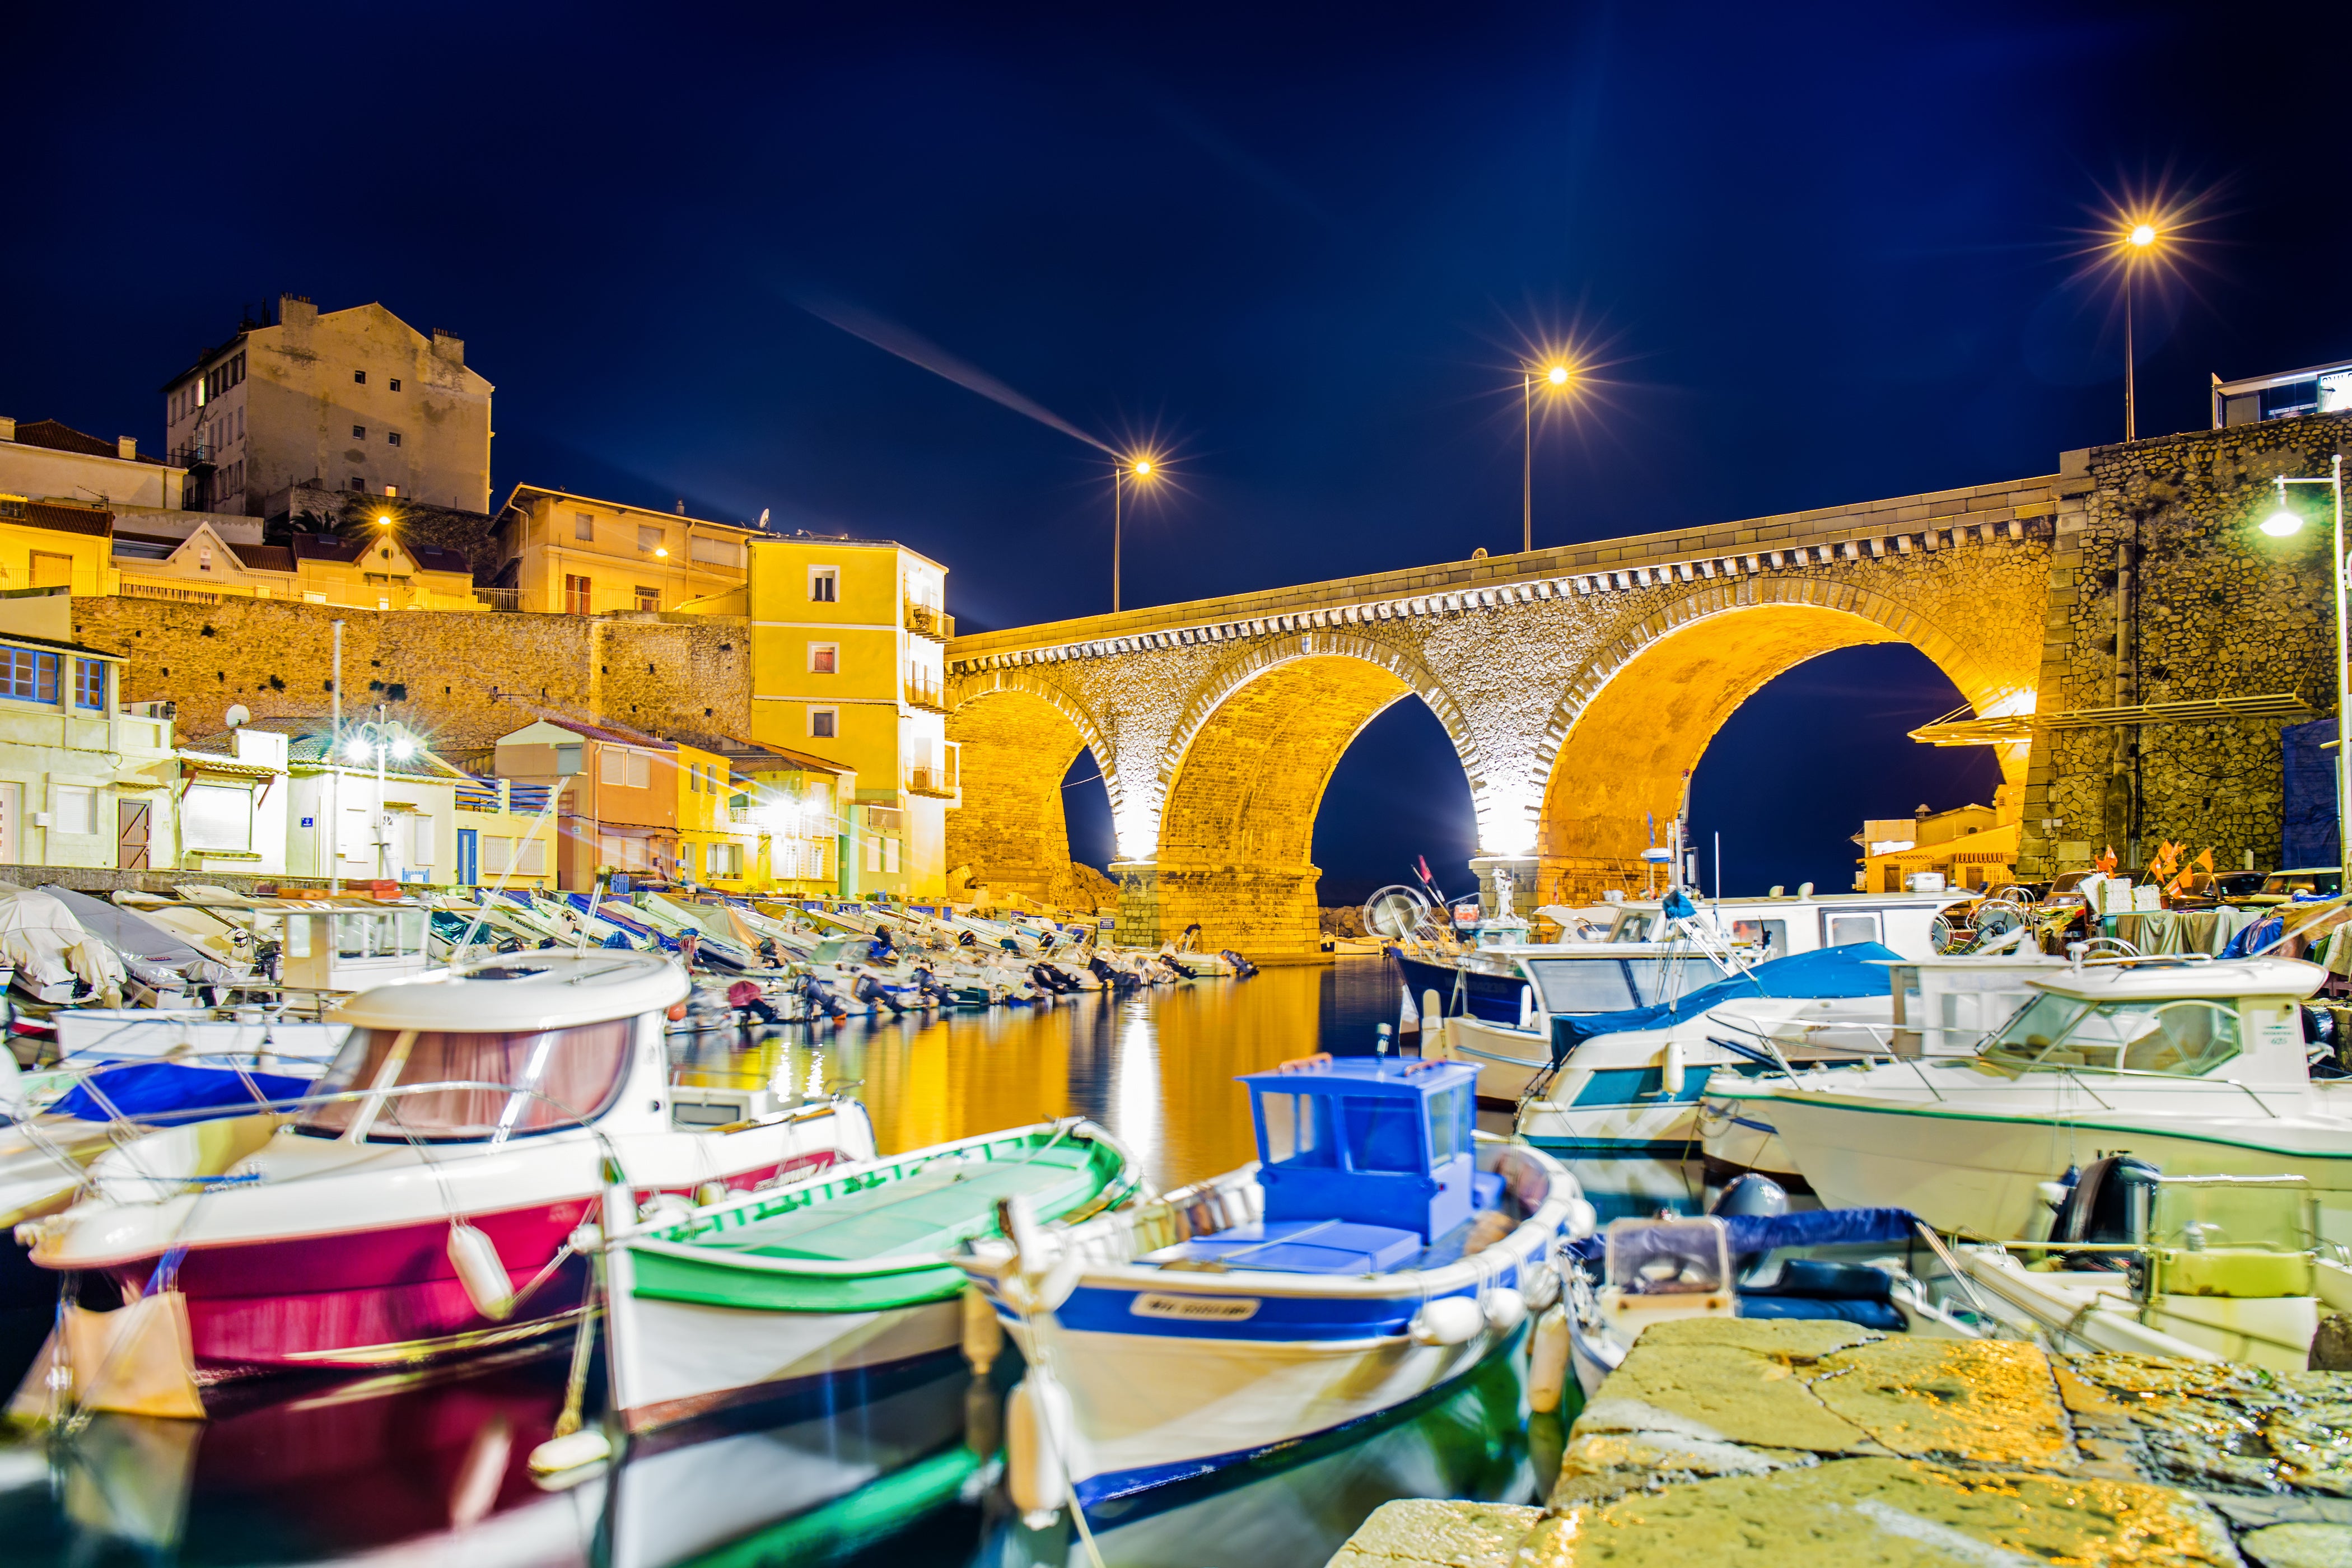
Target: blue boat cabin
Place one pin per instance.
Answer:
(1366, 1164)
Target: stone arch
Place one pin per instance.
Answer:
(1245, 770)
(1017, 737)
(1639, 715)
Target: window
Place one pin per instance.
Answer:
(359, 378)
(1582, 985)
(584, 526)
(825, 584)
(359, 432)
(216, 816)
(28, 675)
(76, 808)
(1842, 929)
(648, 598)
(575, 595)
(2187, 1036)
(825, 658)
(685, 859)
(1451, 1120)
(51, 571)
(392, 437)
(573, 1073)
(1383, 1133)
(649, 538)
(1298, 1128)
(726, 859)
(395, 383)
(874, 854)
(359, 482)
(567, 758)
(89, 683)
(1772, 936)
(625, 769)
(825, 723)
(716, 552)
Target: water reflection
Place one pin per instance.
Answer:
(432, 1469)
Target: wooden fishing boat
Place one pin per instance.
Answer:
(750, 1297)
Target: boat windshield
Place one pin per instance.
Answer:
(1600, 985)
(2187, 1036)
(558, 1077)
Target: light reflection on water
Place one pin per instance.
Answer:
(433, 1471)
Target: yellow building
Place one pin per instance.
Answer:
(83, 781)
(848, 637)
(55, 545)
(382, 571)
(569, 554)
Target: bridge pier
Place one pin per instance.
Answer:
(1139, 902)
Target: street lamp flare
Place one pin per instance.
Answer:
(2143, 235)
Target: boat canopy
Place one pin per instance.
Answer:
(1366, 1138)
(1856, 969)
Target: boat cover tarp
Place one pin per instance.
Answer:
(136, 937)
(175, 1092)
(40, 936)
(1809, 1227)
(1856, 969)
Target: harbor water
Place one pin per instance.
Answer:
(431, 1467)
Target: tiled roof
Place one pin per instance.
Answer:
(61, 437)
(68, 519)
(327, 547)
(432, 558)
(262, 557)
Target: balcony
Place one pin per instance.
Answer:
(139, 588)
(923, 691)
(499, 598)
(930, 621)
(937, 783)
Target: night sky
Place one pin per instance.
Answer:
(1815, 256)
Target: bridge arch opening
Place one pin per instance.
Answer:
(1010, 833)
(1619, 776)
(1244, 785)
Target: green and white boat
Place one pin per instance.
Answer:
(763, 1293)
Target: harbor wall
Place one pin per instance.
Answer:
(2162, 588)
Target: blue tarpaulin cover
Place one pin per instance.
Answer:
(1807, 1228)
(175, 1092)
(1856, 969)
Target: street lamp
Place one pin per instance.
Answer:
(1143, 468)
(2139, 241)
(2279, 525)
(379, 738)
(1555, 378)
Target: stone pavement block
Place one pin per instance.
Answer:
(1988, 1401)
(1419, 1533)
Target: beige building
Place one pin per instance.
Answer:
(353, 399)
(568, 555)
(213, 560)
(83, 781)
(41, 459)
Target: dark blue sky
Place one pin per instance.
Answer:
(1826, 251)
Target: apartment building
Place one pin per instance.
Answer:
(848, 639)
(569, 554)
(41, 459)
(355, 399)
(83, 781)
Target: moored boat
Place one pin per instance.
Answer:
(1379, 1250)
(851, 1270)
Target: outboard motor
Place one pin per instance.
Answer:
(822, 999)
(868, 989)
(1754, 1195)
(928, 987)
(881, 947)
(1243, 967)
(2110, 1202)
(1045, 979)
(768, 952)
(966, 939)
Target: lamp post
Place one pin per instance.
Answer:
(2278, 525)
(1142, 468)
(1555, 377)
(384, 739)
(2140, 241)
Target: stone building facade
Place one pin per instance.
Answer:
(2163, 589)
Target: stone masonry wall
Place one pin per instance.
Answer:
(2223, 610)
(436, 672)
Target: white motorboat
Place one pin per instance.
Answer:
(1378, 1252)
(2198, 1066)
(421, 1203)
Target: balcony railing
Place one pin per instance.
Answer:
(531, 798)
(499, 598)
(478, 795)
(930, 621)
(940, 783)
(923, 691)
(134, 588)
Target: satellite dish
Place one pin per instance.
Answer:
(238, 717)
(763, 518)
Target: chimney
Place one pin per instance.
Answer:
(449, 346)
(127, 448)
(295, 308)
(7, 429)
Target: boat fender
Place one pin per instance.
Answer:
(1037, 1424)
(711, 1193)
(1540, 1283)
(984, 1334)
(1583, 1219)
(1506, 1309)
(476, 1260)
(1448, 1320)
(1670, 1076)
(587, 1239)
(1548, 1357)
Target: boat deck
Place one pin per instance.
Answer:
(930, 1211)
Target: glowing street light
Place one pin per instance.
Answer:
(1555, 378)
(2281, 524)
(2139, 243)
(1143, 468)
(381, 740)
(383, 520)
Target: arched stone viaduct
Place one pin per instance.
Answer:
(1580, 686)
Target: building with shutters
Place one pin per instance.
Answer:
(569, 554)
(346, 400)
(83, 781)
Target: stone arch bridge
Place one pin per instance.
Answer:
(1580, 686)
